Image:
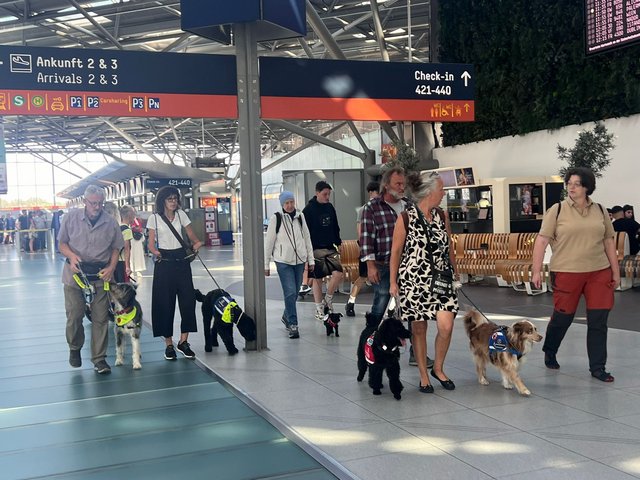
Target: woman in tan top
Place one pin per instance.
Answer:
(584, 262)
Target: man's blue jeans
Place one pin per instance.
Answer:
(381, 294)
(290, 279)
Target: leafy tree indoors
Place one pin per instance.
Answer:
(591, 150)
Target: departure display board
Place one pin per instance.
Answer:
(86, 82)
(611, 24)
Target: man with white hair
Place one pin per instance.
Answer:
(91, 241)
(378, 220)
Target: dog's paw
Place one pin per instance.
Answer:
(119, 361)
(233, 352)
(483, 381)
(525, 393)
(360, 377)
(137, 366)
(377, 392)
(207, 348)
(337, 334)
(507, 386)
(397, 396)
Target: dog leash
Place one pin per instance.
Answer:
(471, 302)
(205, 267)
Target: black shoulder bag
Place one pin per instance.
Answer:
(190, 253)
(441, 280)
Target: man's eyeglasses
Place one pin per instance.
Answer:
(94, 204)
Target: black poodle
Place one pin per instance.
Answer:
(331, 321)
(371, 325)
(391, 335)
(217, 305)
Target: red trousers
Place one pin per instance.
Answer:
(598, 292)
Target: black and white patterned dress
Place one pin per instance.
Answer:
(414, 273)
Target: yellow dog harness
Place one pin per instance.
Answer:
(123, 316)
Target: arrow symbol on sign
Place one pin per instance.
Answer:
(466, 77)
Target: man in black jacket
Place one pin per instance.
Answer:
(622, 223)
(325, 237)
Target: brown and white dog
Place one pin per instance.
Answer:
(504, 347)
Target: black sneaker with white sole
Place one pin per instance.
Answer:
(284, 322)
(349, 309)
(293, 332)
(185, 349)
(102, 367)
(170, 353)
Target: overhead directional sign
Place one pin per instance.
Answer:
(65, 81)
(357, 90)
(84, 82)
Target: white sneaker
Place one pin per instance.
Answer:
(319, 316)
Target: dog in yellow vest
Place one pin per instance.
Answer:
(128, 321)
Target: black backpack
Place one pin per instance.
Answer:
(279, 221)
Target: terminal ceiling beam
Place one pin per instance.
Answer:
(178, 142)
(96, 24)
(131, 140)
(318, 138)
(301, 148)
(163, 145)
(322, 31)
(379, 31)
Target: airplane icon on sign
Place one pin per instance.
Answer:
(20, 63)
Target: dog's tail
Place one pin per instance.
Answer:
(472, 319)
(199, 296)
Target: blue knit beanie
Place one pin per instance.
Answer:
(285, 196)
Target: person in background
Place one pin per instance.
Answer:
(23, 225)
(11, 229)
(288, 242)
(40, 224)
(373, 189)
(56, 221)
(307, 280)
(121, 275)
(90, 240)
(172, 277)
(32, 232)
(628, 212)
(584, 263)
(138, 262)
(322, 221)
(421, 248)
(624, 223)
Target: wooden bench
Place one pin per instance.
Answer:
(476, 253)
(516, 271)
(509, 257)
(629, 264)
(350, 259)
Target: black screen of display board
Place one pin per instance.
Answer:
(611, 24)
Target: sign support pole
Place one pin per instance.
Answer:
(251, 179)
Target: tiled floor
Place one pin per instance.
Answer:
(572, 427)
